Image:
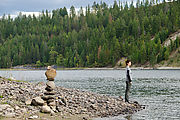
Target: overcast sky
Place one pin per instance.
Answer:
(13, 6)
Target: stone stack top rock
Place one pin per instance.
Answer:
(50, 73)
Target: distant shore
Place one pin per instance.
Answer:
(97, 68)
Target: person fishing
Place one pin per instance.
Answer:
(128, 80)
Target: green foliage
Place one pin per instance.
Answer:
(59, 60)
(97, 38)
(39, 64)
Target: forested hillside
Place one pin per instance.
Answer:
(97, 37)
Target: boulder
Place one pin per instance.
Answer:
(37, 101)
(46, 109)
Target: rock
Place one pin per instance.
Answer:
(92, 101)
(50, 93)
(37, 101)
(52, 113)
(9, 114)
(33, 117)
(52, 103)
(10, 109)
(83, 110)
(51, 84)
(85, 118)
(48, 97)
(50, 100)
(4, 106)
(49, 88)
(23, 110)
(64, 101)
(17, 107)
(93, 106)
(50, 73)
(46, 109)
(53, 108)
(28, 102)
(61, 103)
(121, 98)
(135, 102)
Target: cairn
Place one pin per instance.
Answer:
(49, 94)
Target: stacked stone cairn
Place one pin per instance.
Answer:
(47, 101)
(49, 94)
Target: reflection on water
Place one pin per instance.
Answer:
(157, 89)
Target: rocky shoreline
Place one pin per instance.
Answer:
(16, 102)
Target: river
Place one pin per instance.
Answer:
(159, 90)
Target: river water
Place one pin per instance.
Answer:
(159, 90)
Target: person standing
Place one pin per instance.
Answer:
(128, 80)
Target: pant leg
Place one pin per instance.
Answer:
(128, 86)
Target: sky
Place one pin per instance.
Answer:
(13, 7)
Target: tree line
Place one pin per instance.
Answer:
(96, 37)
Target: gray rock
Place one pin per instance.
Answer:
(50, 100)
(23, 110)
(61, 103)
(52, 103)
(83, 110)
(52, 113)
(53, 108)
(85, 118)
(9, 114)
(47, 97)
(50, 93)
(37, 101)
(93, 106)
(49, 88)
(64, 101)
(28, 102)
(4, 106)
(46, 109)
(51, 84)
(10, 109)
(16, 107)
(33, 117)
